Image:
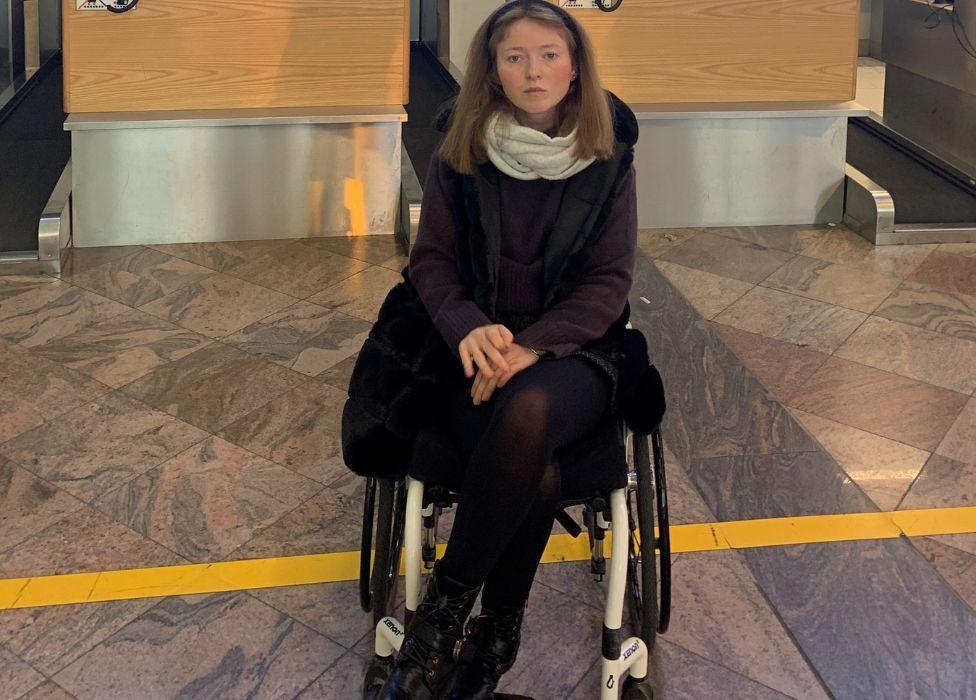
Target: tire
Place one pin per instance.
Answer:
(642, 564)
(389, 542)
(634, 690)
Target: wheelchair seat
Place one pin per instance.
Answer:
(596, 464)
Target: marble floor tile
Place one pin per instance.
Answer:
(954, 273)
(886, 404)
(728, 257)
(912, 352)
(100, 446)
(33, 390)
(218, 305)
(849, 287)
(48, 691)
(213, 387)
(781, 485)
(80, 260)
(343, 680)
(371, 249)
(300, 430)
(655, 242)
(306, 337)
(86, 540)
(16, 677)
(360, 295)
(556, 650)
(678, 674)
(957, 568)
(51, 637)
(122, 348)
(28, 504)
(298, 270)
(12, 285)
(208, 500)
(719, 613)
(943, 483)
(574, 579)
(883, 468)
(396, 263)
(140, 278)
(950, 313)
(331, 609)
(847, 248)
(960, 442)
(332, 521)
(805, 322)
(715, 405)
(709, 294)
(53, 311)
(222, 256)
(226, 645)
(792, 239)
(967, 250)
(966, 543)
(339, 375)
(873, 618)
(779, 365)
(685, 505)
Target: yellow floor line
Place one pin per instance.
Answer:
(126, 584)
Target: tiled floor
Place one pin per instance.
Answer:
(172, 404)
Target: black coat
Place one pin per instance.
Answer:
(405, 366)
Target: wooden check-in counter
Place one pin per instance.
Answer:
(743, 104)
(235, 119)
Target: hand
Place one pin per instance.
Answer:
(518, 358)
(484, 347)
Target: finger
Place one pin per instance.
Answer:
(496, 337)
(488, 389)
(466, 360)
(503, 380)
(507, 335)
(476, 384)
(497, 360)
(479, 359)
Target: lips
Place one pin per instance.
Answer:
(535, 90)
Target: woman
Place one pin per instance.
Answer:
(523, 262)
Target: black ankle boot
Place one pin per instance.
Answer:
(432, 641)
(491, 643)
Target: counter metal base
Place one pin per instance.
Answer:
(198, 177)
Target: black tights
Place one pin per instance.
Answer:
(510, 492)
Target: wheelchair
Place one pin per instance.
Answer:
(621, 489)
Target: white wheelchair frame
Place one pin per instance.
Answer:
(622, 660)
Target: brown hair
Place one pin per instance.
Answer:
(585, 106)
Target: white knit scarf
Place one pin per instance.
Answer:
(527, 154)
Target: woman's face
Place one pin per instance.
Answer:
(535, 69)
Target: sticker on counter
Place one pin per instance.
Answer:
(89, 5)
(578, 4)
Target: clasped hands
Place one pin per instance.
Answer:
(491, 355)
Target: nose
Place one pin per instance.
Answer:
(532, 69)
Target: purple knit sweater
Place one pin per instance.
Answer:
(529, 210)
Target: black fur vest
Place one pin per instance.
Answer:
(405, 365)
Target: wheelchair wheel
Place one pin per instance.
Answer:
(637, 691)
(642, 561)
(664, 530)
(390, 518)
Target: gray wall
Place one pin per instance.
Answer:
(414, 20)
(49, 19)
(5, 25)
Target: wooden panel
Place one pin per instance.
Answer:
(727, 50)
(221, 54)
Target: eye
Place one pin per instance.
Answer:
(513, 58)
(552, 55)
